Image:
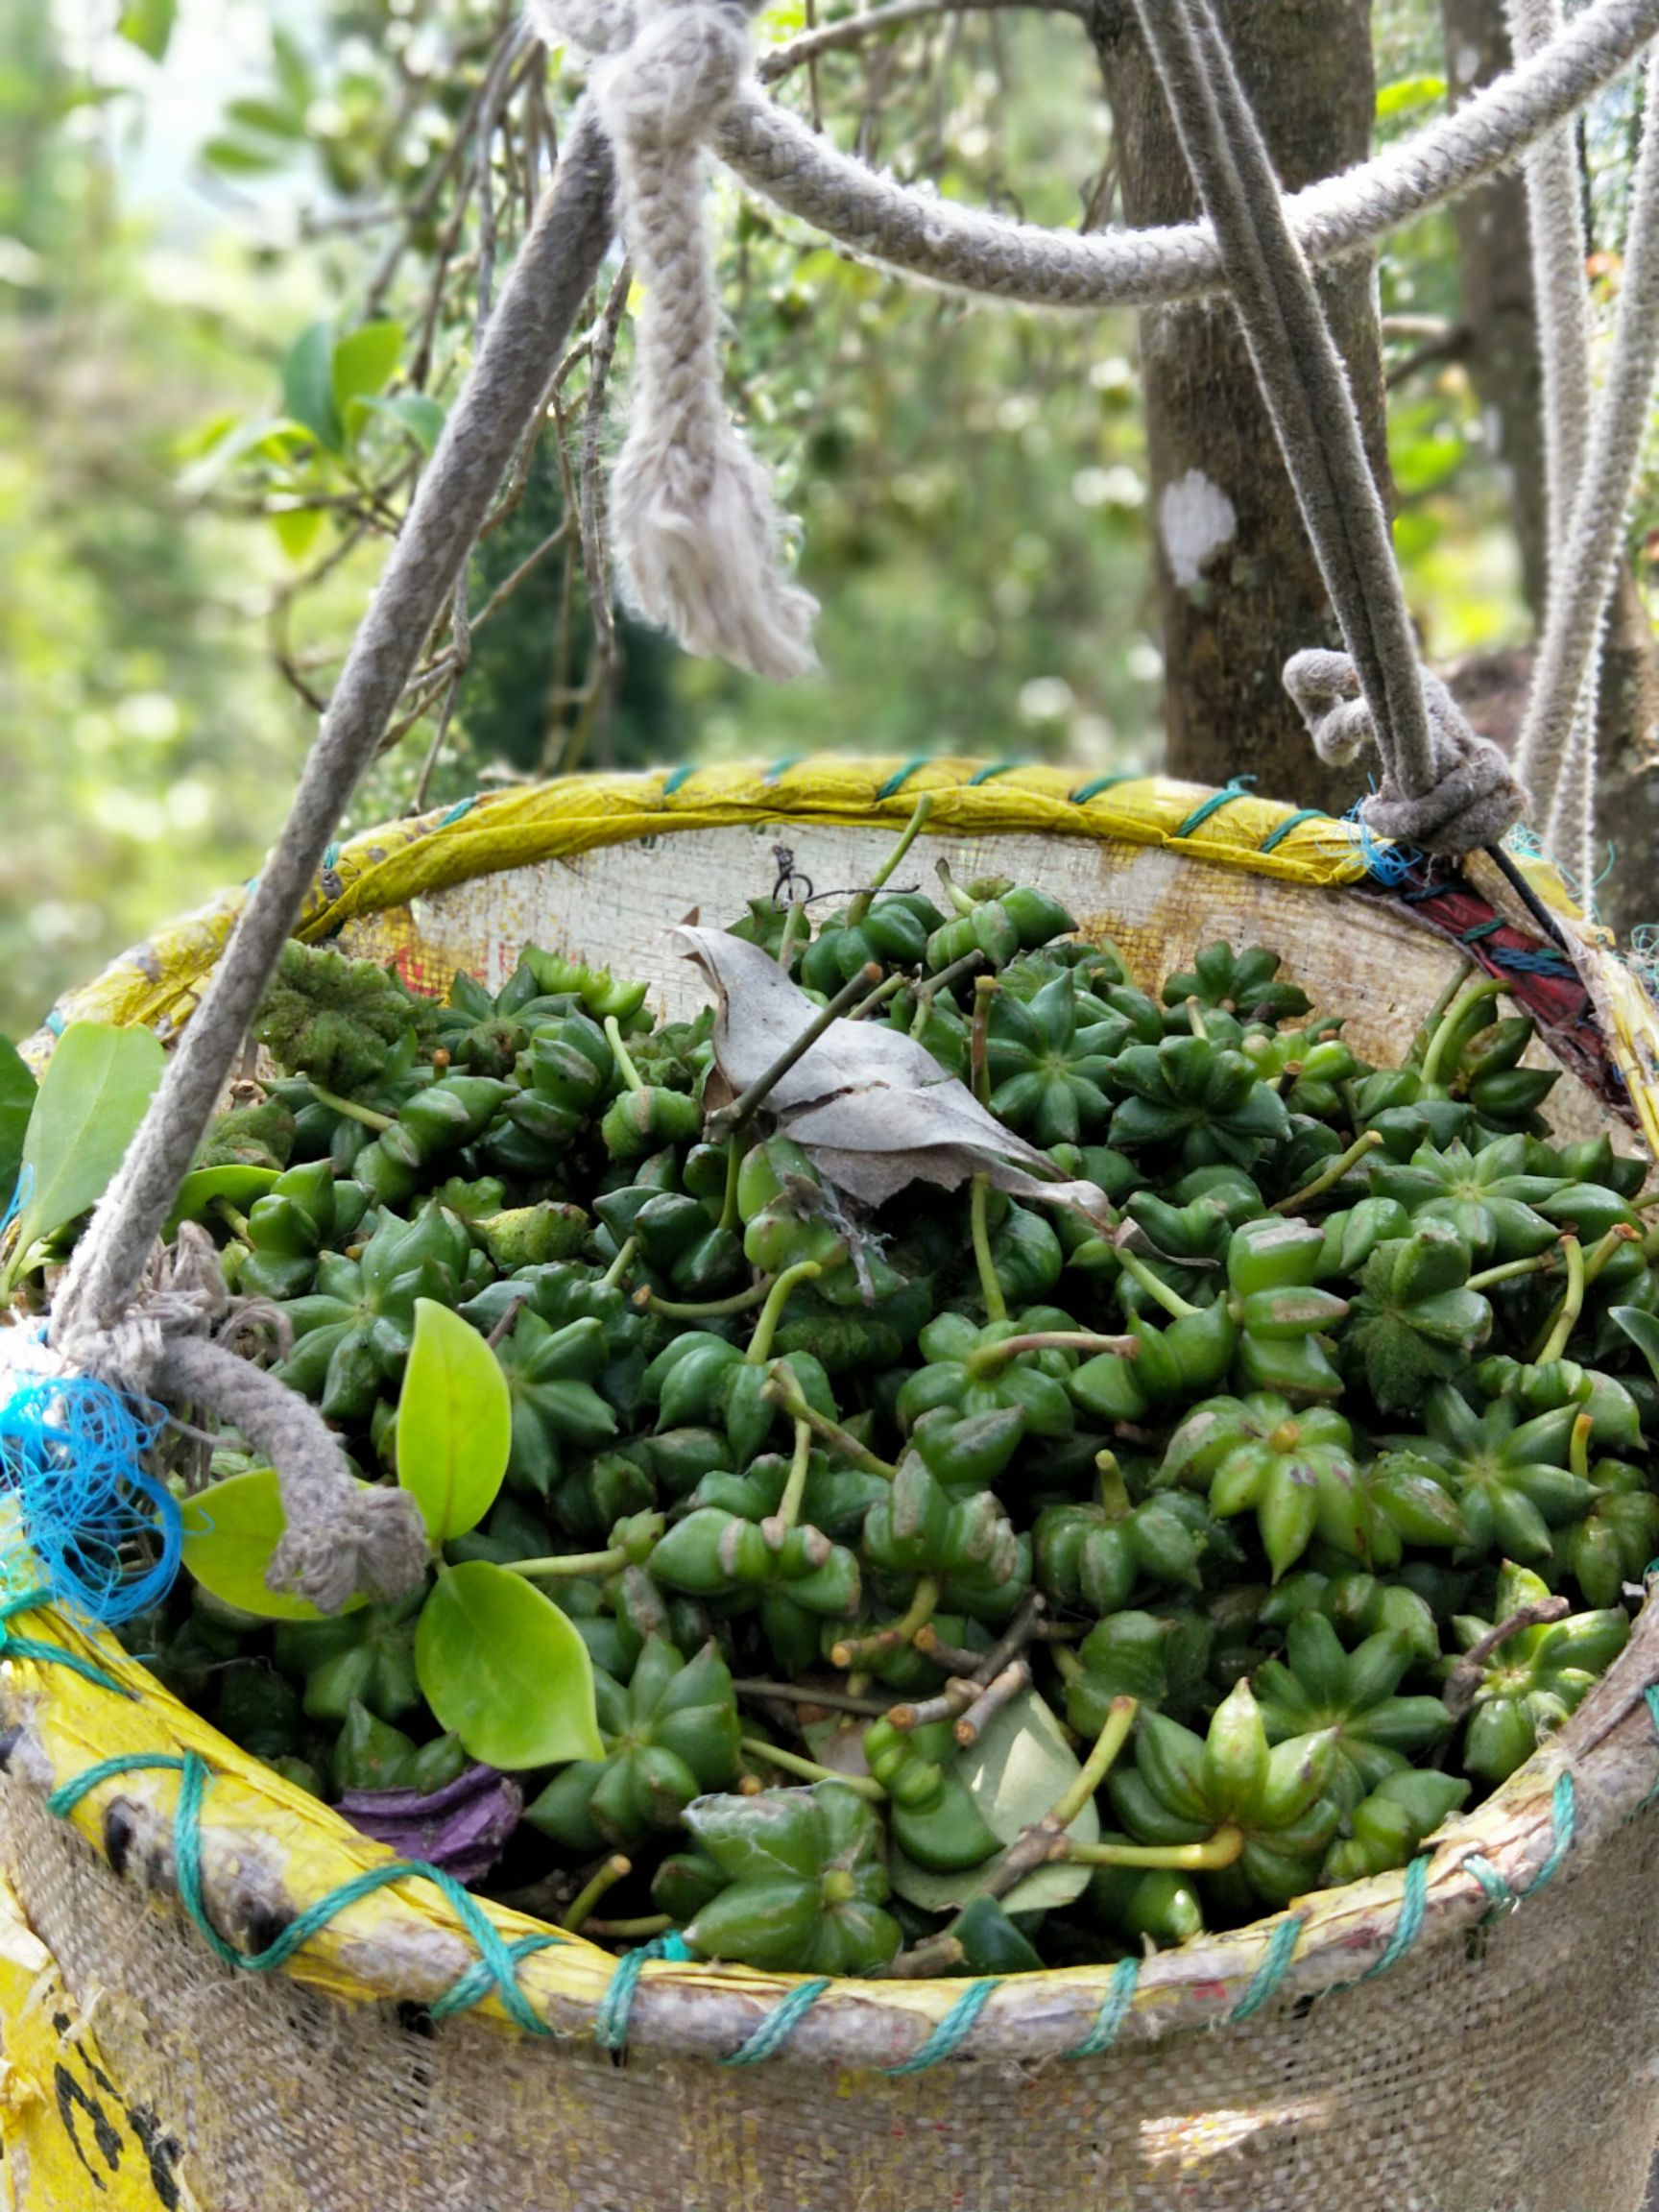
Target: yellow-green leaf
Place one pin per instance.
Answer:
(17, 1104)
(296, 529)
(97, 1085)
(505, 1670)
(230, 1530)
(363, 363)
(454, 1423)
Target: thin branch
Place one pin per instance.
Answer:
(780, 61)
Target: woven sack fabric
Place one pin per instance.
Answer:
(215, 1995)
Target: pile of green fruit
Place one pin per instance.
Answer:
(968, 1584)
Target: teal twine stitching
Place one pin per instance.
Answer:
(678, 776)
(1564, 1812)
(953, 2031)
(1087, 791)
(1238, 788)
(1497, 1889)
(52, 1654)
(898, 782)
(483, 1975)
(1114, 2012)
(1564, 1819)
(780, 2024)
(330, 853)
(610, 2020)
(1413, 1902)
(68, 1795)
(1481, 929)
(1291, 822)
(497, 1963)
(1652, 1695)
(1265, 1981)
(56, 1022)
(460, 808)
(780, 768)
(995, 768)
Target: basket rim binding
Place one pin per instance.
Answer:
(392, 1937)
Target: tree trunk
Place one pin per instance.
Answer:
(1240, 590)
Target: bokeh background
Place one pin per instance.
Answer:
(243, 245)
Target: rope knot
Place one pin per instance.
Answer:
(700, 544)
(185, 1337)
(1473, 796)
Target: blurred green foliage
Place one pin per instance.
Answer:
(217, 390)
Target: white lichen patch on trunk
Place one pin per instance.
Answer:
(1196, 519)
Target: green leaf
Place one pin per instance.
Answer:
(506, 1671)
(230, 1530)
(454, 1423)
(268, 438)
(296, 529)
(292, 70)
(97, 1085)
(1406, 93)
(308, 386)
(240, 1185)
(147, 25)
(265, 118)
(416, 412)
(1017, 1771)
(362, 365)
(17, 1104)
(1642, 1329)
(236, 158)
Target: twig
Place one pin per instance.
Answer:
(1464, 1680)
(743, 1108)
(1001, 1690)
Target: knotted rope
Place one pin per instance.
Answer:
(1443, 786)
(185, 1337)
(699, 539)
(966, 249)
(1472, 799)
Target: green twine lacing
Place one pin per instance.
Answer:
(497, 1966)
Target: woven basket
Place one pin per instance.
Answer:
(1476, 2036)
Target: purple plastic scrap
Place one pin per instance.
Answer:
(461, 1828)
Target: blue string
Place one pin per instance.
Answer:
(460, 808)
(898, 781)
(20, 1195)
(780, 2024)
(1114, 2010)
(997, 768)
(72, 1451)
(1087, 791)
(1291, 822)
(330, 853)
(56, 1022)
(678, 776)
(1238, 788)
(780, 768)
(1388, 864)
(952, 2031)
